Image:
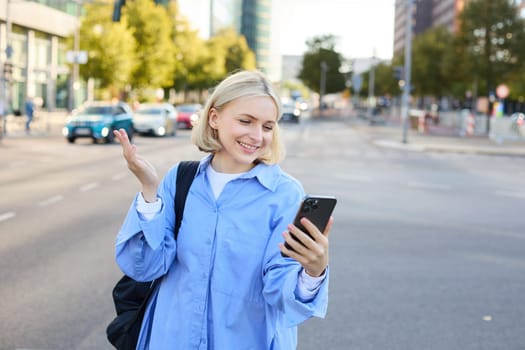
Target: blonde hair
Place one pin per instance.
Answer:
(237, 85)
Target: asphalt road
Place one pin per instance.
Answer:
(426, 251)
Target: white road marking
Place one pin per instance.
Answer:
(7, 216)
(89, 186)
(51, 200)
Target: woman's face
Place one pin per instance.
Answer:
(245, 131)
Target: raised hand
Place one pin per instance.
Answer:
(141, 168)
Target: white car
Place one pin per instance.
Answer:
(159, 119)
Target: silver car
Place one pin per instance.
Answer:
(159, 119)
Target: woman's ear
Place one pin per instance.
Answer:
(212, 118)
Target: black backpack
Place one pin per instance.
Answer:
(131, 297)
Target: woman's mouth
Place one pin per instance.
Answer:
(247, 146)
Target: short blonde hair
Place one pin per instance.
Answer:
(237, 85)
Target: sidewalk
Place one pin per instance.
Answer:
(44, 124)
(389, 133)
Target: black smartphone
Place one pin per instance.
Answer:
(317, 209)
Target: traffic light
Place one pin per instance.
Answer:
(117, 9)
(399, 73)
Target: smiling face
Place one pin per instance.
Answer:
(245, 131)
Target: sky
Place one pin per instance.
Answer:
(364, 27)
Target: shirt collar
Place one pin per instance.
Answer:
(267, 175)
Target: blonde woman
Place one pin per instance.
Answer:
(225, 283)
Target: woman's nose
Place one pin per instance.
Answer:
(256, 133)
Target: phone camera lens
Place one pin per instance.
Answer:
(313, 203)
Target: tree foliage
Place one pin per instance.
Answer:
(322, 49)
(384, 81)
(429, 71)
(156, 53)
(231, 52)
(190, 51)
(111, 49)
(493, 37)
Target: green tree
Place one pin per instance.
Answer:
(385, 82)
(191, 51)
(111, 50)
(492, 35)
(429, 73)
(152, 29)
(322, 49)
(231, 51)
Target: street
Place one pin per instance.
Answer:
(426, 249)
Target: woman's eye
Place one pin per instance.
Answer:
(244, 121)
(268, 127)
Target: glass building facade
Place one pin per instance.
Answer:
(36, 32)
(256, 27)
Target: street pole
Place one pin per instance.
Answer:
(408, 63)
(371, 87)
(7, 71)
(322, 87)
(76, 48)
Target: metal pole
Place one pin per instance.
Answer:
(322, 87)
(76, 48)
(7, 78)
(371, 84)
(408, 64)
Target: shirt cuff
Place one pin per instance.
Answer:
(307, 286)
(147, 211)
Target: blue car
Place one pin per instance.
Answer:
(97, 120)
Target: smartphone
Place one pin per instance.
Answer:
(317, 209)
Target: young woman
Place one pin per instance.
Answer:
(225, 283)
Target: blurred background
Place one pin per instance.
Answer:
(411, 112)
(462, 54)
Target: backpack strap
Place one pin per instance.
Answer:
(185, 174)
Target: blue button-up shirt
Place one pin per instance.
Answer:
(225, 284)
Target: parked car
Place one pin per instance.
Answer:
(188, 114)
(291, 112)
(159, 119)
(97, 120)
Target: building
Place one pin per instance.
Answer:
(256, 27)
(421, 21)
(33, 45)
(250, 18)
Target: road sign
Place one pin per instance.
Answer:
(357, 82)
(79, 57)
(502, 91)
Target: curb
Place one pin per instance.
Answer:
(464, 149)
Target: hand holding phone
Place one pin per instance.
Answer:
(317, 209)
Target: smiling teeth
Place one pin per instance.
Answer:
(247, 146)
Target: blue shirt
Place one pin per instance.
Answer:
(225, 284)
